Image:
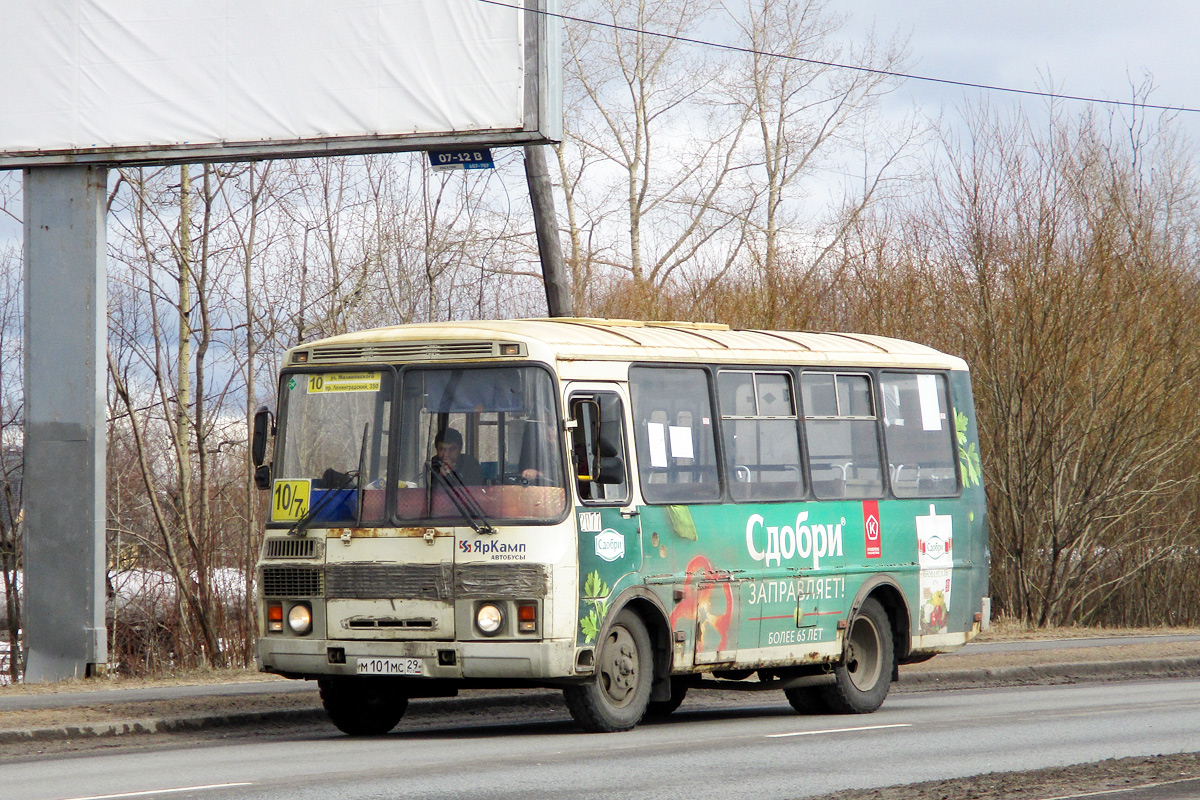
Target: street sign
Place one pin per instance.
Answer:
(468, 158)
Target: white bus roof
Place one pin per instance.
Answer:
(582, 339)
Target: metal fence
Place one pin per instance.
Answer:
(5, 659)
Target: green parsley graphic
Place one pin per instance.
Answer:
(968, 456)
(595, 592)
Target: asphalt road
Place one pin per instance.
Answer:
(67, 699)
(747, 746)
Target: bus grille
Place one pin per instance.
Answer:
(292, 582)
(405, 351)
(407, 581)
(516, 581)
(290, 548)
(388, 581)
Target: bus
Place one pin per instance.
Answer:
(626, 511)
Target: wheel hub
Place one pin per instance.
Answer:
(621, 665)
(863, 655)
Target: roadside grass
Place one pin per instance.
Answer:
(189, 677)
(1006, 629)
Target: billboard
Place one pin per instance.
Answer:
(143, 81)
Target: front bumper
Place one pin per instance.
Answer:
(544, 660)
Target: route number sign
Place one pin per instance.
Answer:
(289, 500)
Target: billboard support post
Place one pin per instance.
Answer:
(554, 273)
(65, 332)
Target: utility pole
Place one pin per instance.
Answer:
(554, 272)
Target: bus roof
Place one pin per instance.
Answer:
(573, 339)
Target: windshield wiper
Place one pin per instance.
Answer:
(461, 496)
(362, 460)
(302, 524)
(350, 477)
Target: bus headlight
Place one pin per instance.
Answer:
(300, 618)
(489, 619)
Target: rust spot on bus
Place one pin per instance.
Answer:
(384, 533)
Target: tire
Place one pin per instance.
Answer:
(808, 699)
(617, 697)
(658, 709)
(362, 706)
(862, 679)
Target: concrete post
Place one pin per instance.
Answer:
(554, 270)
(65, 378)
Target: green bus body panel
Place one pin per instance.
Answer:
(757, 575)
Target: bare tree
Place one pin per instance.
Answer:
(11, 454)
(1074, 271)
(173, 366)
(805, 114)
(652, 130)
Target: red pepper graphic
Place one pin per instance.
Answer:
(695, 606)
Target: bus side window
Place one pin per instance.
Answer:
(761, 435)
(919, 435)
(674, 435)
(840, 429)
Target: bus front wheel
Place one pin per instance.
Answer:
(616, 699)
(362, 706)
(862, 680)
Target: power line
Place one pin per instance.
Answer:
(853, 67)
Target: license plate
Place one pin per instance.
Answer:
(389, 666)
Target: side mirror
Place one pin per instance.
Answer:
(264, 427)
(262, 476)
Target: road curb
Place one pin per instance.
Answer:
(1137, 669)
(164, 725)
(424, 707)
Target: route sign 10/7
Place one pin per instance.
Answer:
(470, 158)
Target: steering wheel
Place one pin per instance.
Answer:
(517, 479)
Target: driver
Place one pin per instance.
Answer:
(537, 452)
(451, 458)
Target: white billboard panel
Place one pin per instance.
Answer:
(105, 81)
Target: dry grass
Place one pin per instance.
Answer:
(192, 677)
(1006, 629)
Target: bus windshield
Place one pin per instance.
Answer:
(485, 436)
(334, 440)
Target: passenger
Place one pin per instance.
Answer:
(451, 459)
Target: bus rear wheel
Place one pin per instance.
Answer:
(362, 706)
(808, 700)
(862, 679)
(617, 697)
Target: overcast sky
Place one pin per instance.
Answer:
(1091, 48)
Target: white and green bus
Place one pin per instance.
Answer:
(624, 510)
